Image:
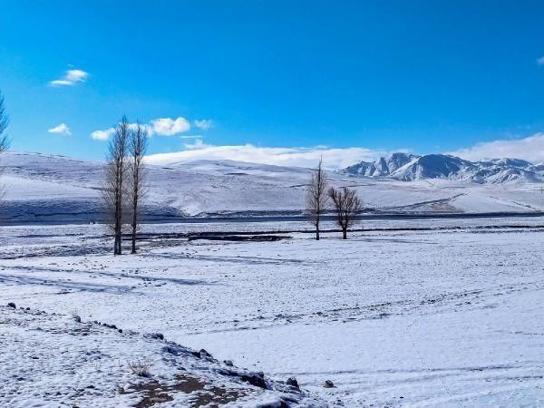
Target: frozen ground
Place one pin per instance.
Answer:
(449, 314)
(52, 360)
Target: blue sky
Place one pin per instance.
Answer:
(422, 75)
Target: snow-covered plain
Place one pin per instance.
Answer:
(442, 313)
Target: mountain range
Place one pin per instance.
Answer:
(411, 167)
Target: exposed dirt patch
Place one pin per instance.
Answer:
(203, 394)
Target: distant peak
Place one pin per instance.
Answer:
(408, 167)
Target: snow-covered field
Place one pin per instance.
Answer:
(443, 313)
(52, 360)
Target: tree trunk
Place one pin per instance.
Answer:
(118, 227)
(134, 225)
(317, 231)
(345, 233)
(116, 245)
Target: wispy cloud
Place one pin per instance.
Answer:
(191, 137)
(159, 127)
(203, 124)
(102, 135)
(530, 148)
(540, 61)
(285, 156)
(61, 129)
(70, 78)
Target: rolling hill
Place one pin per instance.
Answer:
(43, 188)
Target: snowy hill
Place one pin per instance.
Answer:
(55, 189)
(408, 167)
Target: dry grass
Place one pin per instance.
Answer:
(140, 367)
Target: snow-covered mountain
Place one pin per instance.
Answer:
(409, 167)
(42, 188)
(384, 166)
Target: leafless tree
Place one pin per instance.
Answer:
(137, 149)
(4, 121)
(346, 205)
(115, 188)
(316, 196)
(4, 141)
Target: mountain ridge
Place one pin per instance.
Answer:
(410, 167)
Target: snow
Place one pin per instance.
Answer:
(54, 189)
(51, 360)
(446, 312)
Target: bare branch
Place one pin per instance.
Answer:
(4, 122)
(316, 197)
(137, 149)
(346, 205)
(4, 140)
(114, 191)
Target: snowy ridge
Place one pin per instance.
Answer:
(384, 166)
(409, 167)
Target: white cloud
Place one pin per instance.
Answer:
(61, 129)
(70, 78)
(530, 148)
(203, 124)
(160, 127)
(284, 156)
(169, 127)
(540, 61)
(102, 135)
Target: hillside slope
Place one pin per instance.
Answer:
(55, 189)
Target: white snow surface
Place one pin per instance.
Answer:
(445, 313)
(55, 189)
(52, 360)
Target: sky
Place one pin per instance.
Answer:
(281, 82)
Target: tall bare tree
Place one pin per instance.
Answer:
(137, 149)
(4, 121)
(346, 205)
(115, 188)
(316, 197)
(4, 141)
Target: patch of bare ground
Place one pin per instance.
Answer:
(202, 394)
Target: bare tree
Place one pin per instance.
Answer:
(347, 205)
(4, 141)
(114, 189)
(316, 197)
(4, 121)
(137, 149)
